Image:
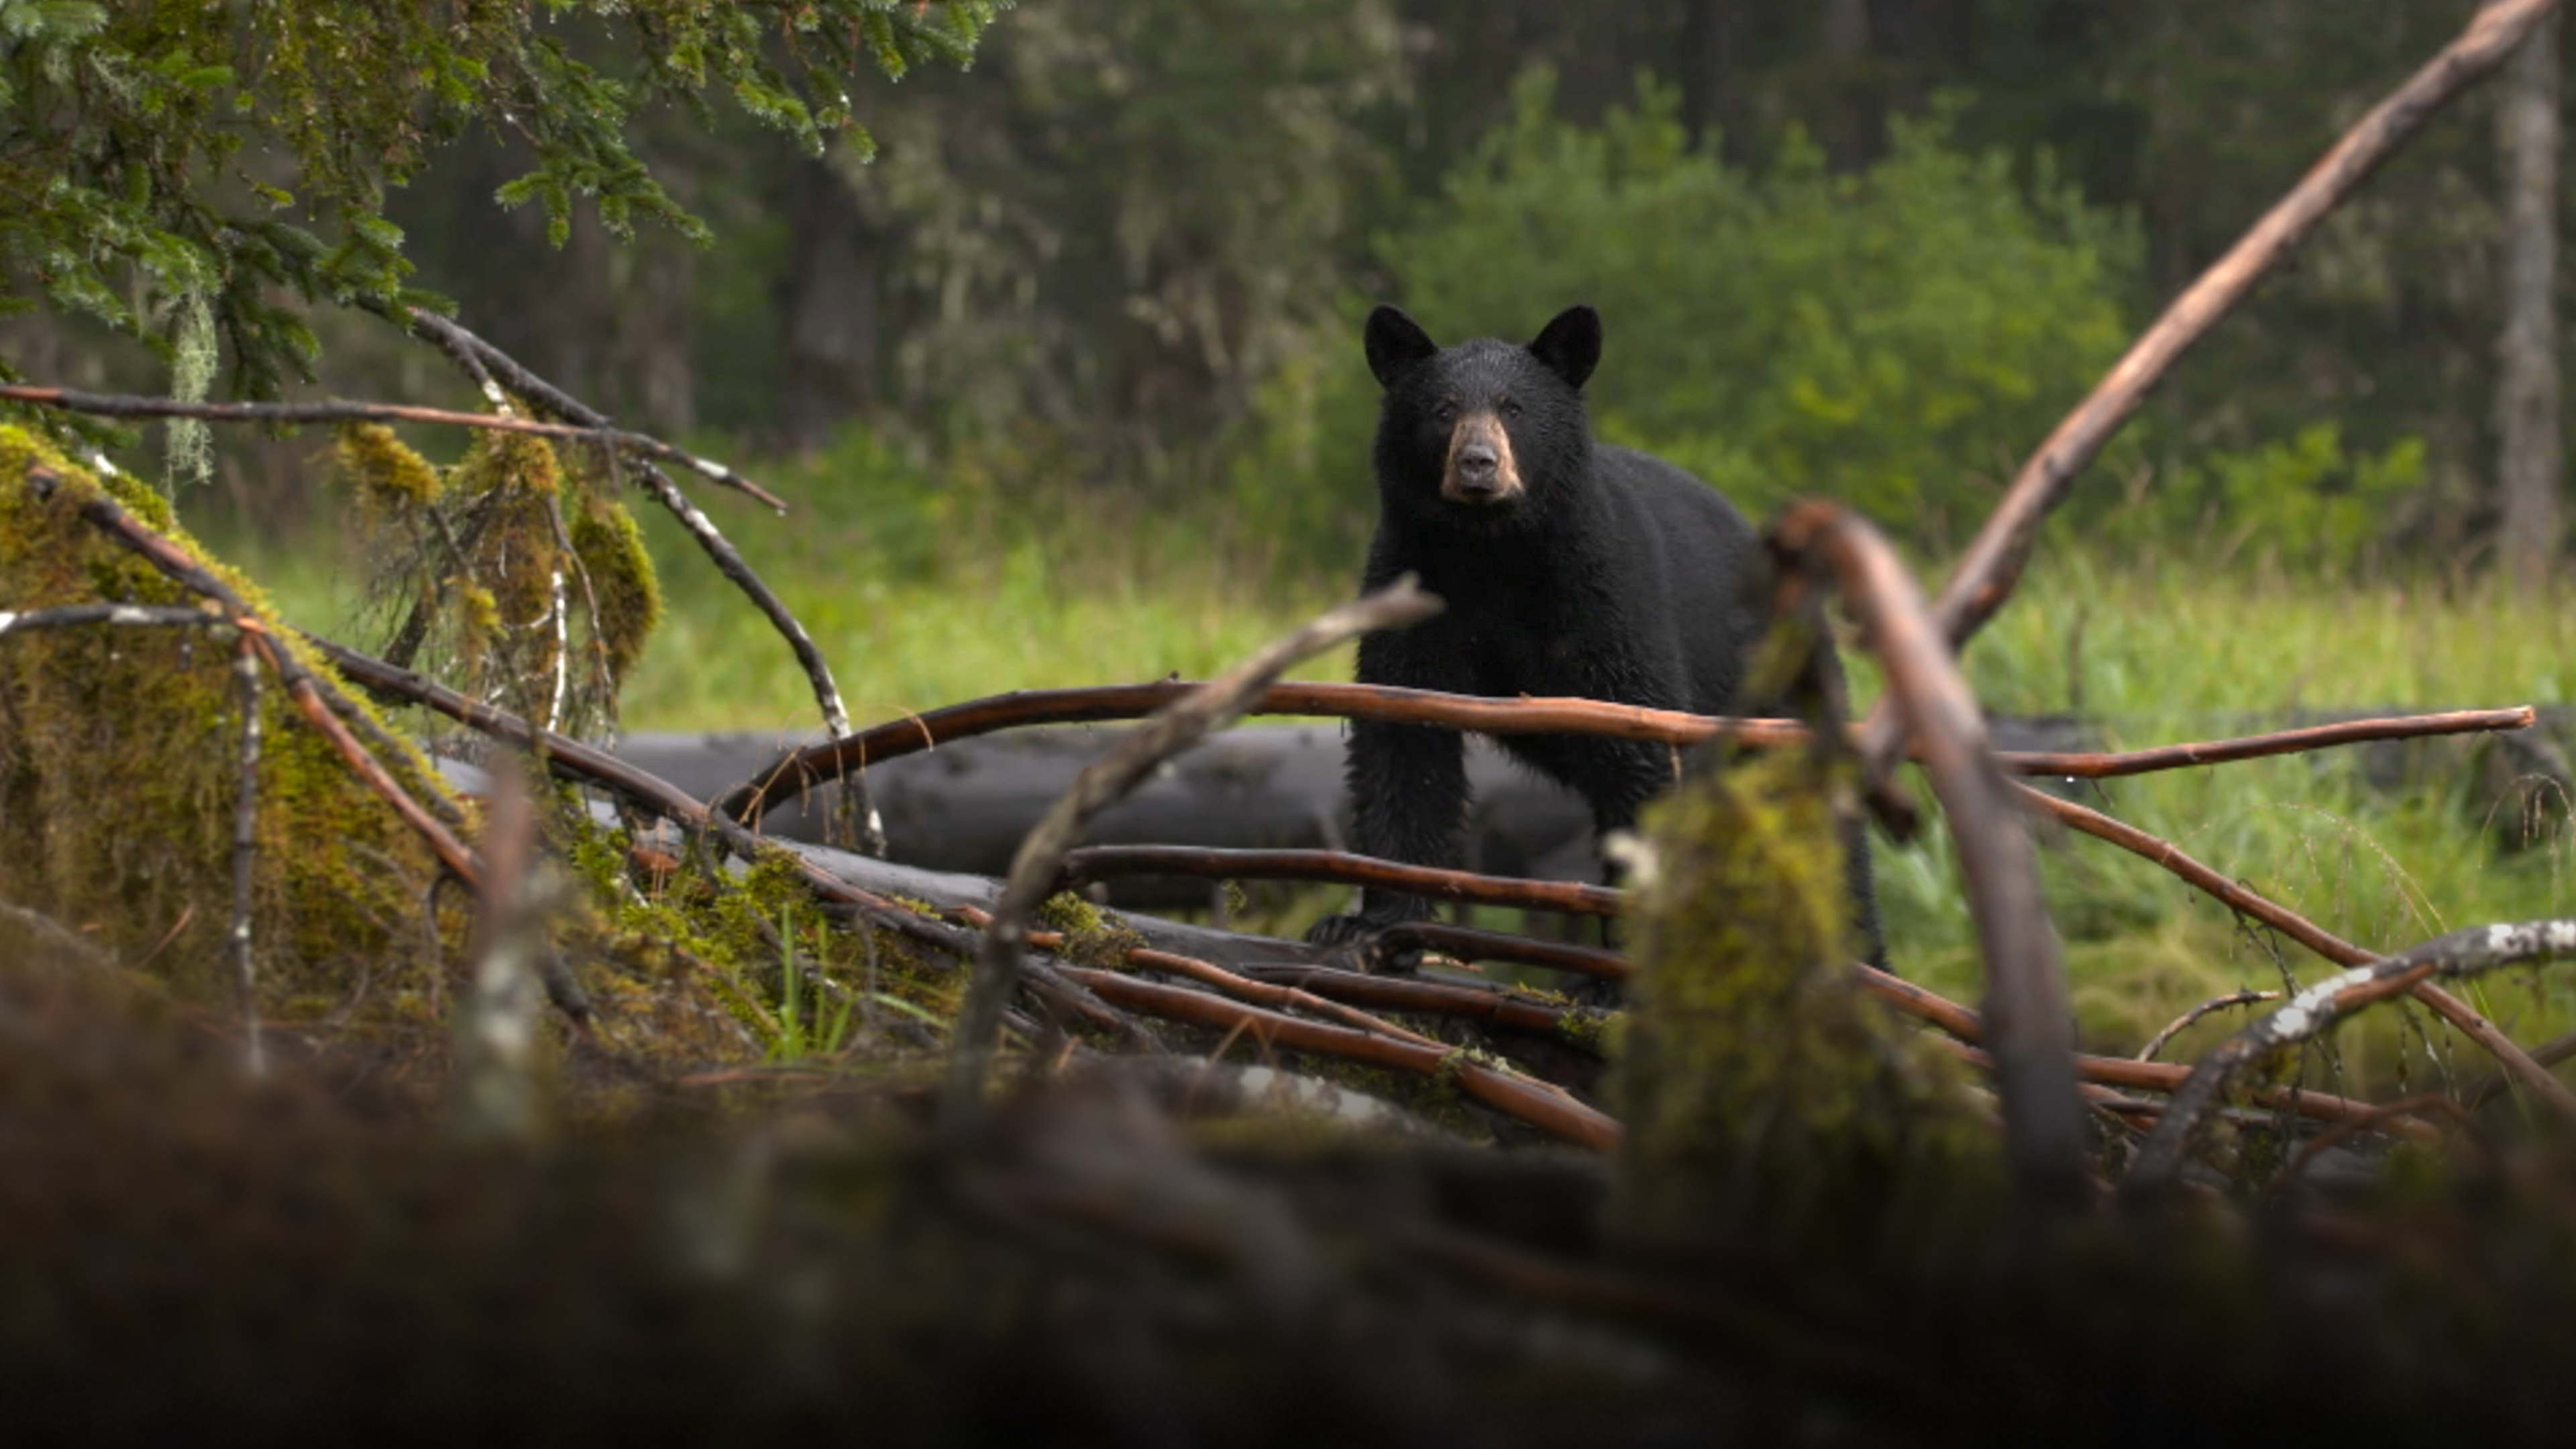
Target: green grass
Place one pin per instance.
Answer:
(918, 606)
(2167, 656)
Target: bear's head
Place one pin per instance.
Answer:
(1487, 432)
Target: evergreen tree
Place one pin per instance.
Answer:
(198, 177)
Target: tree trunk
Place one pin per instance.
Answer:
(1711, 33)
(1852, 130)
(829, 303)
(2530, 460)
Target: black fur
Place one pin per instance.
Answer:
(1614, 575)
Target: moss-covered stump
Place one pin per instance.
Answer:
(120, 771)
(1764, 1093)
(119, 766)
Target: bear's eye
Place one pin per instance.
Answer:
(1508, 408)
(1446, 413)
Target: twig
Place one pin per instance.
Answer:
(390, 746)
(77, 615)
(246, 848)
(2168, 1077)
(1033, 869)
(2420, 1105)
(782, 781)
(126, 405)
(798, 770)
(1276, 997)
(1469, 944)
(308, 692)
(1208, 973)
(2092, 765)
(1283, 996)
(1465, 1001)
(60, 937)
(2548, 1054)
(577, 761)
(2315, 1009)
(2466, 1018)
(1108, 862)
(2183, 1023)
(1923, 1003)
(476, 353)
(2026, 1015)
(1539, 1106)
(599, 673)
(1993, 564)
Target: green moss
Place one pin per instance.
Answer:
(120, 768)
(1068, 912)
(696, 966)
(385, 468)
(1754, 1075)
(1092, 936)
(518, 576)
(1590, 1030)
(611, 549)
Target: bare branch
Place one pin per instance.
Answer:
(2317, 1008)
(1478, 1001)
(1469, 944)
(1527, 1101)
(2183, 1023)
(139, 615)
(474, 354)
(2026, 1015)
(246, 845)
(1993, 564)
(799, 770)
(1212, 706)
(125, 405)
(2307, 933)
(2167, 1077)
(1108, 862)
(1985, 578)
(2086, 765)
(2422, 1104)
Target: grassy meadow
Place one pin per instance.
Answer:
(925, 604)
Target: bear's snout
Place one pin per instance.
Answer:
(1480, 465)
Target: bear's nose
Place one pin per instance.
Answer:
(1477, 465)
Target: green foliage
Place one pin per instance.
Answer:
(2383, 845)
(179, 172)
(1130, 216)
(1895, 337)
(2308, 502)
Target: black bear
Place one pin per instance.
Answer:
(1570, 567)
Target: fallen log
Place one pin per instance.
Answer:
(965, 805)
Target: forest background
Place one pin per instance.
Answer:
(1060, 372)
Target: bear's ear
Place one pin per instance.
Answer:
(1571, 345)
(1395, 342)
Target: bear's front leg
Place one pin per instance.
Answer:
(1409, 798)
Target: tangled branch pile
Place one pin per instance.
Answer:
(572, 1099)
